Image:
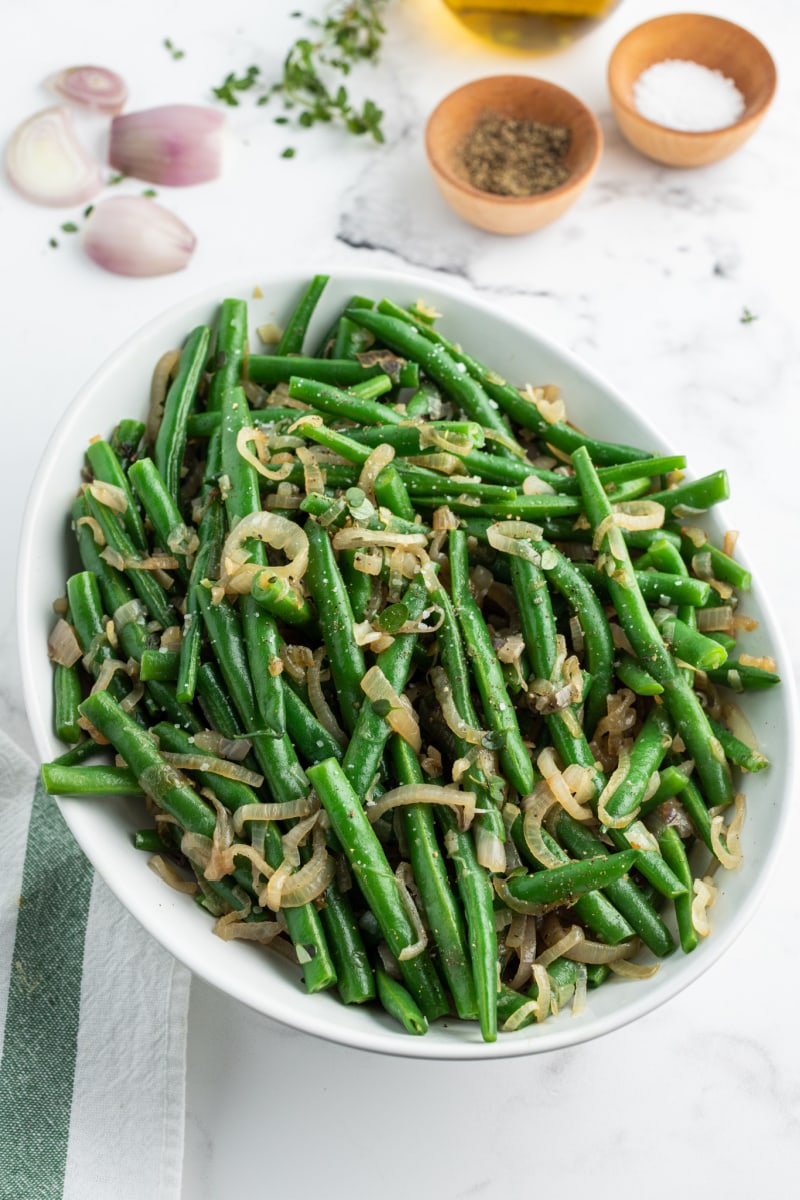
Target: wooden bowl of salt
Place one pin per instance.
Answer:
(689, 89)
(511, 153)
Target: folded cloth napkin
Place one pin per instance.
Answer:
(93, 1016)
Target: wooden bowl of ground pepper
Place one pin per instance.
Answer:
(511, 153)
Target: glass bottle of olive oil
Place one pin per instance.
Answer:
(530, 25)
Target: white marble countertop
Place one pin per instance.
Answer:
(647, 278)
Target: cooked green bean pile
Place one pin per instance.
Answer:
(422, 686)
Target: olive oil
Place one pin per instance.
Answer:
(530, 25)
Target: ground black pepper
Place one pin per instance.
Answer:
(511, 157)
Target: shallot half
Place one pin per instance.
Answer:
(132, 235)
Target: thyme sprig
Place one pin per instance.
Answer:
(351, 33)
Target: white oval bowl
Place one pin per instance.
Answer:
(103, 828)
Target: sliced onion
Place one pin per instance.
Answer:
(705, 893)
(566, 942)
(543, 992)
(212, 741)
(93, 87)
(425, 793)
(514, 537)
(490, 851)
(232, 927)
(354, 538)
(400, 717)
(608, 791)
(288, 810)
(313, 878)
(379, 458)
(632, 970)
(322, 710)
(174, 144)
(63, 646)
(132, 235)
(170, 875)
(276, 531)
(455, 722)
(639, 514)
(48, 165)
(215, 766)
(728, 849)
(404, 877)
(535, 808)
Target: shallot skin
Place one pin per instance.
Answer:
(176, 145)
(132, 235)
(47, 164)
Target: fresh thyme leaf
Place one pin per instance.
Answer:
(351, 33)
(289, 152)
(69, 227)
(232, 84)
(174, 52)
(747, 317)
(53, 243)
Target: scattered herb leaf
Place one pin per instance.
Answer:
(747, 317)
(289, 152)
(231, 84)
(350, 34)
(174, 52)
(150, 192)
(53, 243)
(69, 227)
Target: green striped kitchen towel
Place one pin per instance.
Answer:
(92, 1020)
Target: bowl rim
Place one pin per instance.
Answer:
(379, 1037)
(689, 135)
(576, 180)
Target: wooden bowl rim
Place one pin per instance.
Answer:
(692, 135)
(576, 180)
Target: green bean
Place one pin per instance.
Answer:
(89, 781)
(149, 591)
(400, 1004)
(67, 693)
(324, 581)
(338, 403)
(106, 466)
(721, 565)
(562, 884)
(153, 773)
(150, 841)
(736, 751)
(633, 676)
(371, 732)
(171, 532)
(126, 440)
(510, 400)
(375, 878)
(656, 587)
(260, 630)
(688, 644)
(210, 535)
(438, 362)
(276, 755)
(310, 738)
(671, 782)
(497, 707)
(646, 755)
(442, 914)
(475, 891)
(623, 893)
(741, 677)
(85, 748)
(682, 703)
(675, 854)
(215, 702)
(159, 664)
(284, 602)
(303, 922)
(695, 493)
(489, 827)
(293, 336)
(170, 440)
(583, 602)
(594, 909)
(90, 627)
(230, 351)
(697, 812)
(268, 370)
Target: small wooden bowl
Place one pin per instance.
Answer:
(519, 97)
(711, 42)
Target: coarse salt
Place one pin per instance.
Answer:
(685, 95)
